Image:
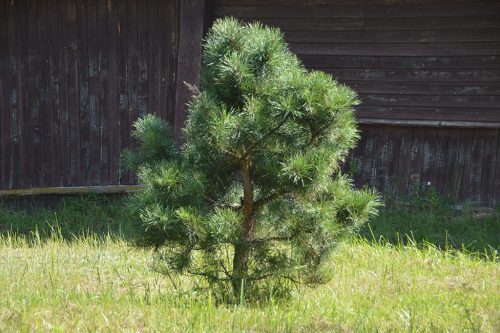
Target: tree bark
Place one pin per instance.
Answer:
(242, 249)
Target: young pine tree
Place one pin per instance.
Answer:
(255, 193)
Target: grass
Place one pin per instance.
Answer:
(93, 284)
(70, 278)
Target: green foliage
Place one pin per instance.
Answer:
(254, 196)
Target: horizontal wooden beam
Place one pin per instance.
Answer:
(429, 123)
(110, 189)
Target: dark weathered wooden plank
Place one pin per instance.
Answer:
(136, 100)
(431, 76)
(429, 158)
(173, 42)
(464, 163)
(55, 119)
(65, 148)
(340, 2)
(34, 92)
(474, 192)
(455, 10)
(454, 89)
(427, 113)
(451, 176)
(5, 82)
(439, 170)
(496, 179)
(330, 11)
(380, 152)
(102, 33)
(416, 160)
(14, 89)
(400, 49)
(113, 91)
(428, 123)
(44, 95)
(73, 93)
(356, 160)
(394, 138)
(142, 58)
(162, 48)
(488, 165)
(368, 168)
(23, 88)
(189, 57)
(94, 117)
(289, 24)
(83, 91)
(448, 101)
(403, 172)
(333, 10)
(400, 62)
(153, 59)
(432, 23)
(422, 38)
(414, 24)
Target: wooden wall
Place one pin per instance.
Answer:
(418, 65)
(74, 75)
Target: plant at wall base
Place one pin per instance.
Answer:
(254, 197)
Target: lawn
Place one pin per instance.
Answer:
(86, 281)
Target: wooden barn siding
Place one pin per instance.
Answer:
(74, 75)
(413, 62)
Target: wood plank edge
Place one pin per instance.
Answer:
(109, 189)
(428, 123)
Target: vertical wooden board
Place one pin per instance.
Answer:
(93, 70)
(173, 43)
(380, 153)
(142, 58)
(65, 148)
(395, 136)
(488, 166)
(83, 90)
(34, 93)
(44, 95)
(5, 153)
(132, 65)
(403, 171)
(14, 95)
(102, 33)
(24, 180)
(124, 17)
(416, 160)
(153, 59)
(496, 179)
(474, 193)
(429, 157)
(113, 91)
(464, 163)
(356, 161)
(368, 167)
(191, 15)
(54, 89)
(450, 178)
(162, 48)
(73, 92)
(439, 169)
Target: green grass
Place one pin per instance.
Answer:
(72, 268)
(432, 220)
(92, 284)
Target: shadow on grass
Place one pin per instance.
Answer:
(417, 221)
(69, 217)
(436, 221)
